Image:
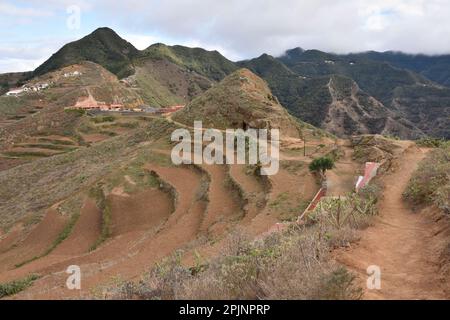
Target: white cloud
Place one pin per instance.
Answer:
(247, 28)
(21, 55)
(9, 9)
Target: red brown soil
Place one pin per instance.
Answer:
(128, 255)
(55, 137)
(140, 212)
(85, 232)
(223, 202)
(254, 190)
(342, 178)
(8, 163)
(46, 152)
(10, 238)
(145, 228)
(406, 245)
(94, 137)
(35, 244)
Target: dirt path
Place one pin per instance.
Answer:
(341, 179)
(400, 242)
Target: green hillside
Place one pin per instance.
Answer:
(210, 64)
(103, 46)
(239, 101)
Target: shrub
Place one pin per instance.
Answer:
(430, 142)
(340, 285)
(14, 287)
(291, 265)
(431, 182)
(321, 165)
(77, 112)
(103, 119)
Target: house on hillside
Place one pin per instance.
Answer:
(72, 74)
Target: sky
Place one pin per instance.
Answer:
(31, 31)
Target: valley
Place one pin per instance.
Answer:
(87, 177)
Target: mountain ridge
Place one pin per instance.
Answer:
(168, 75)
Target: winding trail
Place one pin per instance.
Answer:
(341, 179)
(401, 242)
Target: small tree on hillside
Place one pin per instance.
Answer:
(321, 165)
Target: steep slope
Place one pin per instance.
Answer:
(210, 64)
(352, 111)
(427, 106)
(103, 46)
(391, 79)
(406, 244)
(435, 68)
(379, 79)
(162, 83)
(386, 83)
(332, 102)
(42, 112)
(12, 79)
(162, 75)
(241, 100)
(307, 99)
(172, 75)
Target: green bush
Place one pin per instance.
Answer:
(431, 182)
(78, 112)
(430, 142)
(103, 119)
(321, 165)
(14, 287)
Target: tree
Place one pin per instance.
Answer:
(321, 165)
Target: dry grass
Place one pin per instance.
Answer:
(294, 264)
(36, 186)
(430, 184)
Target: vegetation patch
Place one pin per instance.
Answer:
(103, 119)
(290, 265)
(61, 237)
(27, 154)
(48, 146)
(293, 264)
(57, 142)
(16, 286)
(351, 212)
(430, 184)
(103, 204)
(430, 142)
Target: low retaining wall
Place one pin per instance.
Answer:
(370, 171)
(314, 202)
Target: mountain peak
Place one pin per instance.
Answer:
(104, 29)
(103, 46)
(240, 100)
(295, 52)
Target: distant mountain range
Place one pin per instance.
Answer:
(390, 93)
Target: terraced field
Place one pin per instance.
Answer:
(126, 207)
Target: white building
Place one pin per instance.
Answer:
(72, 74)
(15, 92)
